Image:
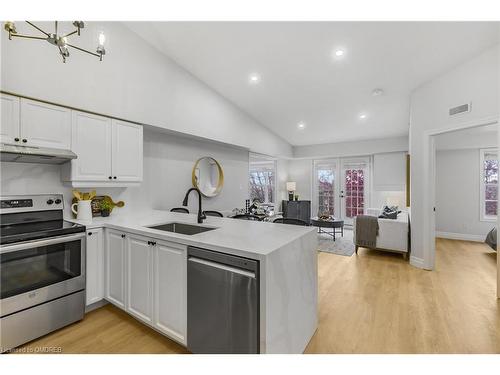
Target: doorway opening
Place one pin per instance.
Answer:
(463, 198)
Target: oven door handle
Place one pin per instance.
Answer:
(42, 242)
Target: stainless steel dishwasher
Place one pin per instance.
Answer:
(223, 303)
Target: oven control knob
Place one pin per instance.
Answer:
(50, 201)
(57, 201)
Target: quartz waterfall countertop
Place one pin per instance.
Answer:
(240, 237)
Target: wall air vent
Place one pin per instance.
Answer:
(464, 108)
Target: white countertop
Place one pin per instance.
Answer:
(252, 239)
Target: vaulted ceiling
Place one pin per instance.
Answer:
(301, 80)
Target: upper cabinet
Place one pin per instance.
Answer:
(31, 123)
(9, 129)
(45, 125)
(91, 142)
(126, 165)
(389, 172)
(109, 152)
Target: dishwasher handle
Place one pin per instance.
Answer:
(222, 267)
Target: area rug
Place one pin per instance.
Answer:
(341, 246)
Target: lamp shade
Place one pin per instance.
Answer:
(291, 186)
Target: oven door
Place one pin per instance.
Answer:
(39, 271)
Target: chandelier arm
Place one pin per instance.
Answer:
(69, 34)
(83, 50)
(62, 54)
(36, 27)
(28, 36)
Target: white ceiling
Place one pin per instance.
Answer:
(300, 81)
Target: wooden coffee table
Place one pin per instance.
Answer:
(332, 224)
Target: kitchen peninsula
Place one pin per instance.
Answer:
(145, 272)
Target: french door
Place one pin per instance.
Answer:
(340, 188)
(354, 189)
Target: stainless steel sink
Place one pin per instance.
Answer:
(182, 228)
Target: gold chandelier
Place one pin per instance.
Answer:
(59, 40)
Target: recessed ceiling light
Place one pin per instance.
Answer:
(363, 116)
(254, 78)
(338, 53)
(301, 125)
(377, 92)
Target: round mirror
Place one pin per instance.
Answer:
(208, 176)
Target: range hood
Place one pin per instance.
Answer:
(41, 155)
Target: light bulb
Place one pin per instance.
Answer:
(102, 38)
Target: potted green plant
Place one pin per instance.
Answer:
(106, 207)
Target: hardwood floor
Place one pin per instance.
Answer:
(374, 302)
(104, 331)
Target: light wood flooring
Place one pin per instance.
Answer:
(374, 302)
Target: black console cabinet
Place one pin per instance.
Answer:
(297, 210)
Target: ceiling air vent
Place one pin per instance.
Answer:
(464, 108)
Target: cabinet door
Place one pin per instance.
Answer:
(95, 266)
(139, 278)
(115, 268)
(45, 125)
(9, 127)
(127, 151)
(170, 284)
(91, 141)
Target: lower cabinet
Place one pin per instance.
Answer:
(95, 266)
(148, 279)
(115, 267)
(170, 285)
(139, 277)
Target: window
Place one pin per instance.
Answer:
(489, 184)
(262, 180)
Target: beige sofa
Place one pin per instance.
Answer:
(393, 234)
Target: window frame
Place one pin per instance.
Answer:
(251, 167)
(482, 186)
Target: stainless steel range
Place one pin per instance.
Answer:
(42, 268)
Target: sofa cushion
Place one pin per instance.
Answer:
(389, 215)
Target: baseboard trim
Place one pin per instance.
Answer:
(416, 262)
(95, 305)
(461, 236)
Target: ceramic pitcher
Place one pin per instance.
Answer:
(82, 210)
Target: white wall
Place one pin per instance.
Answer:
(282, 170)
(474, 81)
(300, 171)
(457, 194)
(168, 162)
(357, 148)
(134, 82)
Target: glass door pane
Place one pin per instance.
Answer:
(354, 193)
(325, 184)
(355, 187)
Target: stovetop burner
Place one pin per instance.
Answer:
(25, 218)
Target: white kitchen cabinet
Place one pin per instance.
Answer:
(94, 266)
(389, 172)
(115, 267)
(45, 125)
(110, 152)
(170, 290)
(91, 142)
(9, 129)
(126, 148)
(139, 277)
